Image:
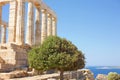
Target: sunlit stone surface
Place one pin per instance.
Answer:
(20, 33)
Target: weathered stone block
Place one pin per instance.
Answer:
(13, 57)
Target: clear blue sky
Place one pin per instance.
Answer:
(92, 25)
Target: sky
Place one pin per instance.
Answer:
(92, 25)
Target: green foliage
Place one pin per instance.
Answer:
(36, 59)
(56, 53)
(113, 76)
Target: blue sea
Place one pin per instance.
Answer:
(104, 69)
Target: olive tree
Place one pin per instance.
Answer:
(56, 53)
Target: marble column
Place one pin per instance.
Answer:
(54, 28)
(38, 27)
(12, 21)
(30, 25)
(49, 25)
(20, 23)
(3, 35)
(44, 26)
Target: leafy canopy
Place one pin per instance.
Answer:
(56, 53)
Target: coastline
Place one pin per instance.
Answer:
(103, 69)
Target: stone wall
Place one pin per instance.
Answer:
(14, 56)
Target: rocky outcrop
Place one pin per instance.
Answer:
(101, 77)
(86, 74)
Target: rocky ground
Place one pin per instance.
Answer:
(23, 75)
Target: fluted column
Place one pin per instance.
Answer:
(44, 26)
(30, 25)
(49, 25)
(54, 27)
(38, 27)
(20, 23)
(3, 35)
(12, 21)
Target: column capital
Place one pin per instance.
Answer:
(49, 15)
(53, 18)
(43, 10)
(38, 8)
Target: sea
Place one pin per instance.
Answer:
(103, 69)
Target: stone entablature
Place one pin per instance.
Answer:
(13, 48)
(37, 3)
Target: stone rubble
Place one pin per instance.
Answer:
(84, 74)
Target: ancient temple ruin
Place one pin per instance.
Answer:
(40, 23)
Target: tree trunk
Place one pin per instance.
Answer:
(61, 75)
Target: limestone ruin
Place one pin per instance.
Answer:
(40, 23)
